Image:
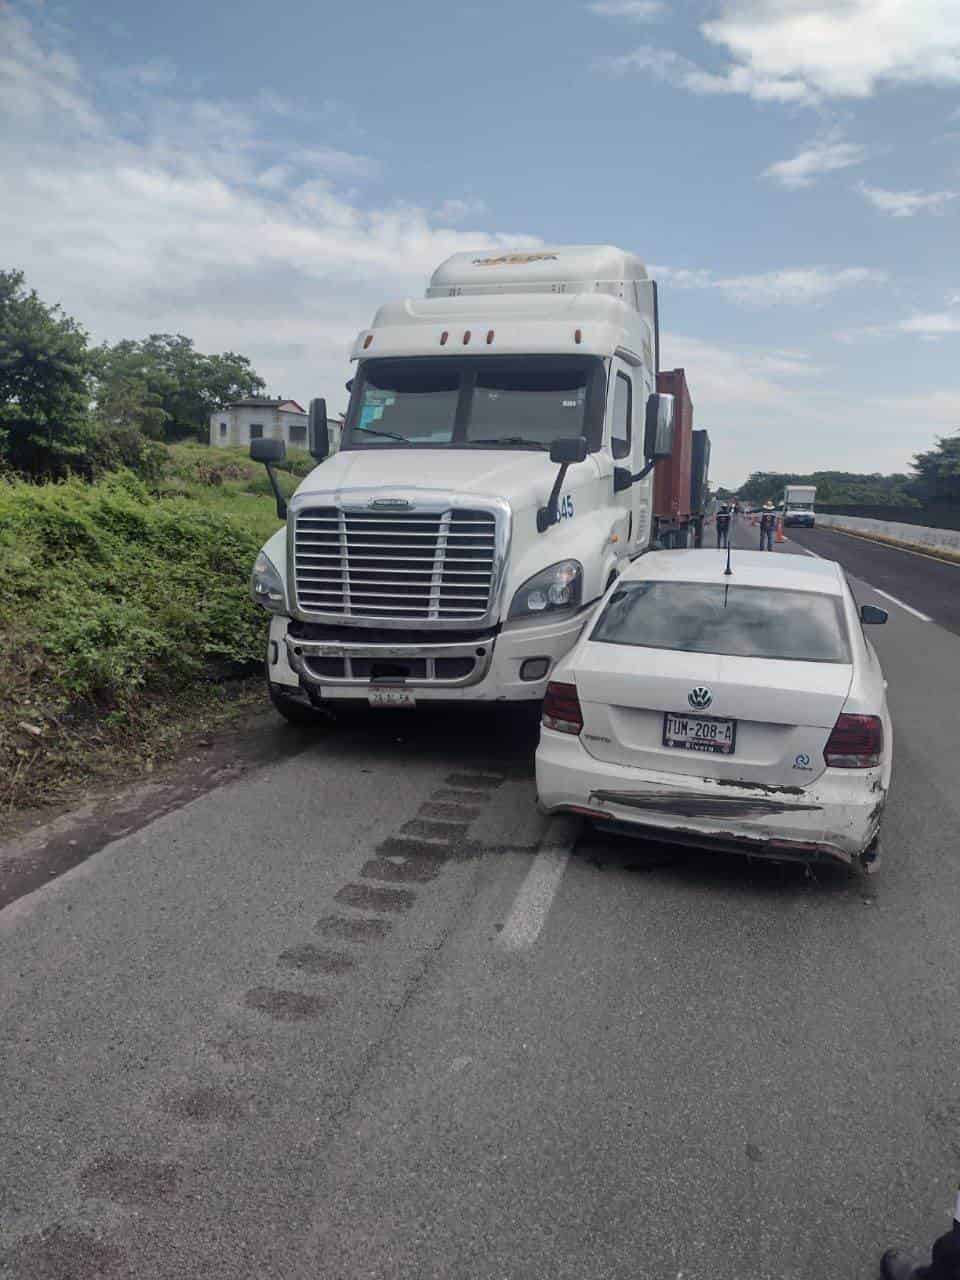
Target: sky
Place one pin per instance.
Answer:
(261, 176)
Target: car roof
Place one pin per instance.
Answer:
(749, 568)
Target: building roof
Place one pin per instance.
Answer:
(265, 402)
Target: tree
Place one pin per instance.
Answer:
(938, 471)
(44, 388)
(168, 387)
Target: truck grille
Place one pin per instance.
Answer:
(425, 565)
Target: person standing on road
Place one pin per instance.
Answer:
(944, 1259)
(723, 525)
(768, 522)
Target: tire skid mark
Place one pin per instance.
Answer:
(128, 1179)
(441, 831)
(287, 1006)
(477, 781)
(207, 1104)
(416, 870)
(369, 898)
(353, 929)
(458, 813)
(456, 795)
(63, 1253)
(402, 846)
(313, 959)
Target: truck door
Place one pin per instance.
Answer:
(628, 396)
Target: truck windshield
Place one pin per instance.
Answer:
(523, 403)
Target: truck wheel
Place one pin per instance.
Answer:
(295, 710)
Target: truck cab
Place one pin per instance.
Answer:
(494, 473)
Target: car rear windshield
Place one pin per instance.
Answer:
(743, 622)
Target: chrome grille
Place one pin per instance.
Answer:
(427, 565)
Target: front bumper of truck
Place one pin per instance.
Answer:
(511, 663)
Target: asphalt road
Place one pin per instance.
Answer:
(339, 1019)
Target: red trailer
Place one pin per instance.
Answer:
(676, 522)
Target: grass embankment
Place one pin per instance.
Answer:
(124, 613)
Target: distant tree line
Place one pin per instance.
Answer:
(69, 407)
(935, 480)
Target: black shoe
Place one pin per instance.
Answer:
(898, 1264)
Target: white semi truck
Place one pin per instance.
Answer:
(495, 471)
(798, 500)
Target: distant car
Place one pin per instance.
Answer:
(745, 712)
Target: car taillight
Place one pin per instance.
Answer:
(561, 708)
(855, 743)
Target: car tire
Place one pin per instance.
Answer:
(295, 710)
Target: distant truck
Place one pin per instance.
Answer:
(511, 442)
(798, 502)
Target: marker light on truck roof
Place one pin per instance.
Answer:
(466, 337)
(489, 336)
(578, 336)
(443, 338)
(367, 340)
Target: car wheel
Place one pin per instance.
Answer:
(295, 710)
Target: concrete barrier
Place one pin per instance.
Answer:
(910, 535)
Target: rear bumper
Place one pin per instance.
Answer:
(807, 522)
(834, 820)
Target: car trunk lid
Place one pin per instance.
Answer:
(783, 711)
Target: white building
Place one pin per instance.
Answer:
(259, 417)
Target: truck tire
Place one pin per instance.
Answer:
(295, 710)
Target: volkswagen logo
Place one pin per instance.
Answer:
(699, 697)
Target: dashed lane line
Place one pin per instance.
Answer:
(909, 607)
(535, 898)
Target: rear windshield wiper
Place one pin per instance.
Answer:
(509, 440)
(387, 435)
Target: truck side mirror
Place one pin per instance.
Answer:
(318, 430)
(872, 614)
(565, 451)
(568, 449)
(658, 433)
(268, 452)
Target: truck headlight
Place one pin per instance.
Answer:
(266, 585)
(558, 587)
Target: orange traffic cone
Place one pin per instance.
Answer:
(778, 537)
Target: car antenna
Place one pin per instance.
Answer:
(728, 572)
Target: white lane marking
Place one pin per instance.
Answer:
(536, 895)
(893, 600)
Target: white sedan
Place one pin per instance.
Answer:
(743, 711)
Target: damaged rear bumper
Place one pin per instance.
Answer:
(834, 820)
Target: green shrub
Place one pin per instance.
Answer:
(110, 590)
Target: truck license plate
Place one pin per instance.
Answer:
(700, 733)
(390, 698)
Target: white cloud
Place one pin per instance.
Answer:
(635, 10)
(203, 225)
(802, 51)
(790, 286)
(906, 204)
(931, 323)
(450, 212)
(674, 69)
(823, 156)
(843, 48)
